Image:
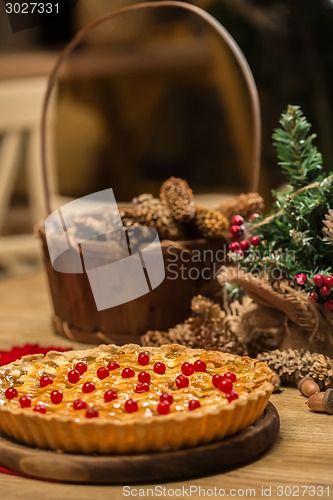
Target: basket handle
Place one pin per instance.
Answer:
(218, 28)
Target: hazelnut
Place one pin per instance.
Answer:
(307, 386)
(322, 401)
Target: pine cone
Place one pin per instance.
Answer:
(244, 205)
(151, 212)
(209, 223)
(292, 365)
(328, 229)
(178, 196)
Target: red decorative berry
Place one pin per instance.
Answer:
(166, 398)
(325, 290)
(110, 395)
(182, 381)
(253, 217)
(73, 376)
(187, 369)
(128, 373)
(88, 387)
(25, 401)
(81, 367)
(163, 408)
(237, 220)
(79, 404)
(232, 395)
(236, 231)
(102, 372)
(216, 379)
(199, 365)
(233, 246)
(225, 385)
(92, 413)
(255, 240)
(301, 278)
(318, 279)
(194, 404)
(11, 393)
(328, 281)
(142, 387)
(244, 244)
(40, 408)
(239, 252)
(143, 359)
(56, 397)
(230, 376)
(45, 380)
(131, 406)
(313, 297)
(328, 305)
(159, 368)
(144, 377)
(113, 365)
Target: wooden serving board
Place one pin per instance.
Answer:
(154, 467)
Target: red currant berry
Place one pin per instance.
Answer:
(301, 278)
(144, 377)
(45, 380)
(232, 395)
(187, 369)
(328, 305)
(142, 387)
(182, 381)
(81, 367)
(313, 297)
(194, 404)
(325, 290)
(163, 408)
(318, 279)
(225, 385)
(56, 397)
(216, 379)
(159, 368)
(199, 366)
(88, 387)
(92, 413)
(25, 401)
(237, 220)
(79, 404)
(236, 231)
(110, 395)
(143, 359)
(230, 376)
(113, 365)
(166, 398)
(255, 240)
(233, 246)
(40, 408)
(102, 372)
(128, 373)
(131, 406)
(73, 376)
(244, 244)
(11, 393)
(328, 281)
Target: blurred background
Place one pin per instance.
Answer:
(150, 95)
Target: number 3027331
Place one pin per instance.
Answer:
(32, 8)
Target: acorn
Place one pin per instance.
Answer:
(307, 386)
(322, 401)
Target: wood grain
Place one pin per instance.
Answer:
(301, 456)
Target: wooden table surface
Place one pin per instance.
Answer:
(300, 463)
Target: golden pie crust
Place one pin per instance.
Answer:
(115, 430)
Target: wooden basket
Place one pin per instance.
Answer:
(75, 312)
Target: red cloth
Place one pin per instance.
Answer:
(16, 353)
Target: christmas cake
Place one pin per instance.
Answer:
(130, 399)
